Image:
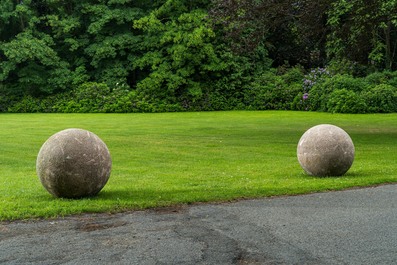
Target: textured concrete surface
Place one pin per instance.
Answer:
(325, 150)
(73, 163)
(348, 227)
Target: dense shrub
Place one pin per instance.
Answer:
(88, 97)
(300, 102)
(120, 101)
(319, 94)
(305, 100)
(345, 101)
(214, 101)
(381, 99)
(4, 103)
(348, 67)
(377, 78)
(30, 104)
(271, 92)
(385, 77)
(293, 75)
(67, 105)
(98, 97)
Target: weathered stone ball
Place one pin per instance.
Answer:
(73, 163)
(325, 150)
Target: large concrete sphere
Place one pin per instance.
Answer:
(73, 163)
(325, 150)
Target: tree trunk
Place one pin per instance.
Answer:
(388, 55)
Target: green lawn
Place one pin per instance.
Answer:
(172, 158)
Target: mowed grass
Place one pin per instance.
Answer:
(179, 158)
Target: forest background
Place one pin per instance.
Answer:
(198, 55)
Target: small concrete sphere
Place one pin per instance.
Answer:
(73, 163)
(325, 150)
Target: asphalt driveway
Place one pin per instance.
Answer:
(349, 227)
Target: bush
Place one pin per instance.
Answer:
(381, 99)
(293, 75)
(212, 101)
(345, 101)
(320, 92)
(385, 77)
(97, 97)
(377, 78)
(4, 103)
(91, 97)
(121, 101)
(300, 102)
(345, 66)
(270, 92)
(88, 97)
(29, 104)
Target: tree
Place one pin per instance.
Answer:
(29, 61)
(13, 17)
(364, 32)
(55, 45)
(292, 31)
(178, 52)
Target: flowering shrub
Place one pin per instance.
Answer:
(314, 77)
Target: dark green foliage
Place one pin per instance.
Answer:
(217, 101)
(347, 67)
(180, 55)
(320, 93)
(346, 82)
(27, 104)
(381, 99)
(57, 45)
(345, 94)
(98, 97)
(363, 32)
(272, 92)
(121, 100)
(109, 43)
(293, 75)
(88, 97)
(345, 101)
(384, 77)
(33, 66)
(293, 31)
(378, 78)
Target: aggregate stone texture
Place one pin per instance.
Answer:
(352, 227)
(325, 150)
(74, 163)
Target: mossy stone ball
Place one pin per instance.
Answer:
(325, 150)
(74, 163)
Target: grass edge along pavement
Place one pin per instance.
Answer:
(179, 158)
